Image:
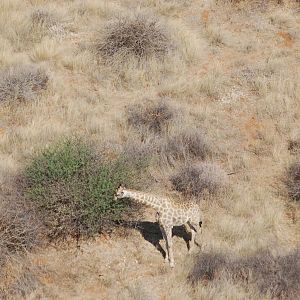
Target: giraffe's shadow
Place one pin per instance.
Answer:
(152, 233)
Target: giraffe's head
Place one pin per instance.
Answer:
(120, 193)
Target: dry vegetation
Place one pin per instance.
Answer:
(166, 96)
(140, 36)
(196, 180)
(276, 275)
(293, 181)
(20, 229)
(22, 83)
(153, 117)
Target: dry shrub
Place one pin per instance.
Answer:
(20, 228)
(140, 154)
(153, 117)
(140, 36)
(22, 82)
(207, 267)
(195, 180)
(278, 275)
(294, 146)
(292, 181)
(188, 144)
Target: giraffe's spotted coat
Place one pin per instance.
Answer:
(168, 214)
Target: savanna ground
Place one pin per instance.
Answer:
(229, 70)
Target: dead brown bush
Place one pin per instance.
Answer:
(153, 117)
(22, 82)
(140, 36)
(195, 180)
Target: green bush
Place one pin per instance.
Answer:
(74, 189)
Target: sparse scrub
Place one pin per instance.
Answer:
(153, 117)
(20, 229)
(74, 189)
(141, 37)
(276, 275)
(196, 180)
(188, 144)
(292, 181)
(22, 82)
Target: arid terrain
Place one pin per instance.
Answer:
(208, 90)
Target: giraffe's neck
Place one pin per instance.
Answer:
(147, 199)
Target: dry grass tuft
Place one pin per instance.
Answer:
(196, 180)
(153, 117)
(277, 276)
(292, 181)
(140, 36)
(188, 144)
(43, 18)
(44, 22)
(22, 82)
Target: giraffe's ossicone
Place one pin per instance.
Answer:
(168, 214)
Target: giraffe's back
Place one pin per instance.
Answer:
(177, 214)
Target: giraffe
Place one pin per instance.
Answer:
(168, 214)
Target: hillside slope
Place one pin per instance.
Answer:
(232, 72)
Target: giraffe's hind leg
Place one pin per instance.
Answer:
(170, 245)
(165, 239)
(190, 233)
(167, 234)
(194, 228)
